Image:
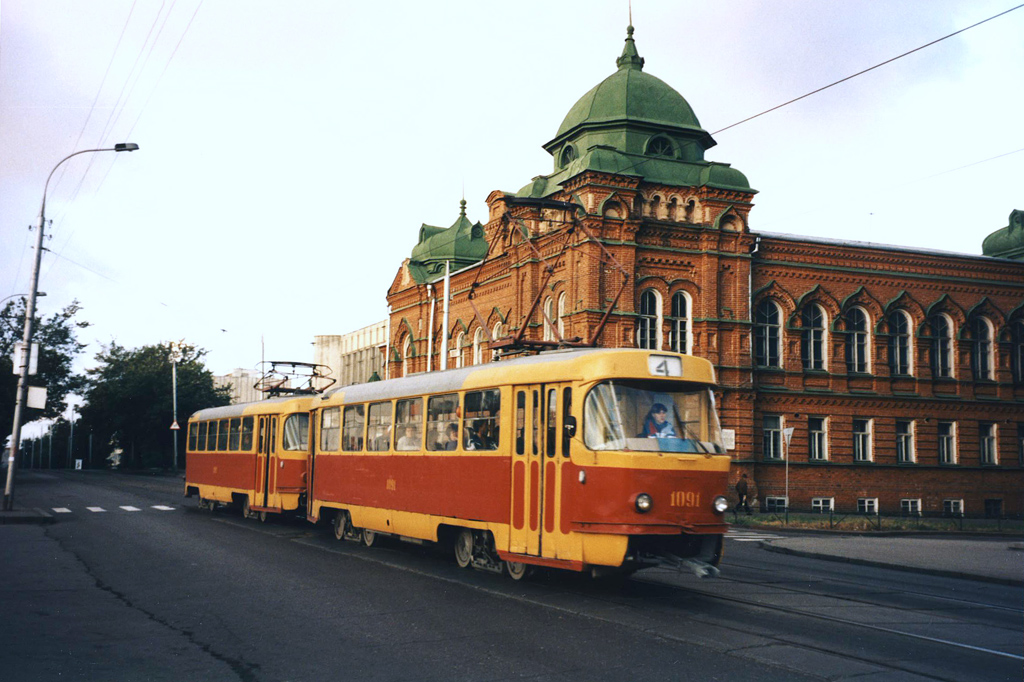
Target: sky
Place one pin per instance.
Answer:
(290, 151)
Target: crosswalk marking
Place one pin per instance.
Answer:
(751, 536)
(123, 507)
(162, 507)
(96, 509)
(128, 507)
(62, 510)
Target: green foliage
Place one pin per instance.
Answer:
(58, 348)
(129, 402)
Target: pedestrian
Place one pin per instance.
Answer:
(741, 491)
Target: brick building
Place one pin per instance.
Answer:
(898, 373)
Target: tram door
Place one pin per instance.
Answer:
(266, 463)
(537, 471)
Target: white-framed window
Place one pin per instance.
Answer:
(767, 334)
(858, 341)
(457, 352)
(862, 450)
(406, 352)
(771, 438)
(817, 439)
(905, 453)
(822, 505)
(947, 442)
(981, 349)
(478, 346)
(867, 505)
(648, 333)
(988, 438)
(910, 507)
(776, 503)
(679, 323)
(497, 333)
(953, 507)
(901, 359)
(813, 337)
(562, 297)
(942, 346)
(549, 316)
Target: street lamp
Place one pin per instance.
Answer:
(175, 357)
(30, 312)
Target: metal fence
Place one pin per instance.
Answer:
(833, 519)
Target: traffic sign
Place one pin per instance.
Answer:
(175, 427)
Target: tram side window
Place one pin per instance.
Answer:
(203, 427)
(193, 433)
(352, 428)
(222, 435)
(330, 429)
(443, 422)
(247, 433)
(520, 422)
(483, 409)
(295, 437)
(409, 424)
(234, 434)
(566, 412)
(378, 434)
(552, 440)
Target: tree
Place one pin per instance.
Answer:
(58, 348)
(128, 402)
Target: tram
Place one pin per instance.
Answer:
(254, 456)
(595, 460)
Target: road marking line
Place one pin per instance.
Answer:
(130, 508)
(96, 509)
(162, 507)
(62, 510)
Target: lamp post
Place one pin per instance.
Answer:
(30, 312)
(175, 357)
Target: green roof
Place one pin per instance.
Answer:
(1007, 242)
(462, 244)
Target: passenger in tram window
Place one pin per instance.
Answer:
(410, 441)
(479, 438)
(656, 424)
(453, 437)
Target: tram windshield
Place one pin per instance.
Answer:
(645, 417)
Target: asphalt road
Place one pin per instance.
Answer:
(152, 588)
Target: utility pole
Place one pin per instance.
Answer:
(176, 357)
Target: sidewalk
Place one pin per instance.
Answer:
(999, 560)
(20, 515)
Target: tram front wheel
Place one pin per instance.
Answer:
(464, 548)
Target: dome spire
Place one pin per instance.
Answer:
(629, 58)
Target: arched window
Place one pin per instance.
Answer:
(561, 314)
(549, 315)
(406, 352)
(660, 146)
(497, 333)
(900, 357)
(812, 338)
(649, 324)
(1017, 359)
(767, 335)
(568, 155)
(982, 363)
(679, 323)
(858, 341)
(460, 342)
(941, 346)
(478, 345)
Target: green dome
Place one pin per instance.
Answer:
(1007, 242)
(629, 94)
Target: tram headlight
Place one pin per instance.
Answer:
(644, 502)
(720, 504)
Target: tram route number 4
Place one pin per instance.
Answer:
(664, 366)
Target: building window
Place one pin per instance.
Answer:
(478, 346)
(993, 508)
(987, 437)
(942, 347)
(568, 155)
(817, 436)
(953, 507)
(862, 440)
(867, 505)
(858, 342)
(549, 316)
(947, 442)
(767, 336)
(679, 323)
(900, 357)
(1017, 358)
(460, 343)
(561, 315)
(771, 440)
(1020, 445)
(406, 352)
(660, 146)
(905, 441)
(981, 349)
(812, 337)
(822, 505)
(776, 503)
(910, 507)
(499, 332)
(649, 324)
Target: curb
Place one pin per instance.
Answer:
(767, 545)
(24, 516)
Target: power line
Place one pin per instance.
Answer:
(861, 73)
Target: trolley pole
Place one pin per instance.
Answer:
(30, 312)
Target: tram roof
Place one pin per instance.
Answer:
(270, 405)
(516, 371)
